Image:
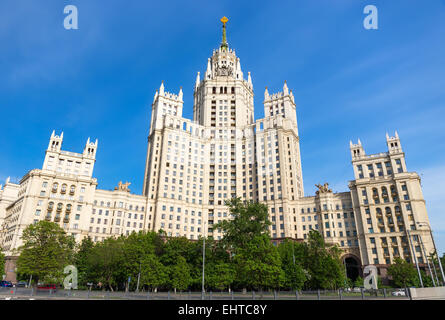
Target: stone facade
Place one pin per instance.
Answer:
(193, 166)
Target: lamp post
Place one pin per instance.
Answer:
(435, 249)
(434, 268)
(428, 262)
(415, 257)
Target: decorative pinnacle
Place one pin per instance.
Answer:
(224, 38)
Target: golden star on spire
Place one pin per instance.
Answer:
(224, 20)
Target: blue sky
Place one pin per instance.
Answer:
(348, 82)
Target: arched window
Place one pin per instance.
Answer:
(50, 206)
(63, 190)
(59, 207)
(55, 187)
(68, 207)
(393, 191)
(72, 189)
(387, 210)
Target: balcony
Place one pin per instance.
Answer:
(66, 219)
(48, 217)
(381, 225)
(393, 193)
(57, 218)
(384, 245)
(386, 254)
(384, 195)
(375, 196)
(394, 244)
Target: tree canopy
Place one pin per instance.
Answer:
(46, 250)
(403, 274)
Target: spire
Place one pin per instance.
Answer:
(397, 135)
(249, 79)
(198, 79)
(209, 69)
(156, 95)
(161, 89)
(285, 88)
(224, 38)
(359, 142)
(180, 94)
(266, 94)
(238, 65)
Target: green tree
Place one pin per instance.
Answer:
(179, 274)
(291, 255)
(258, 264)
(219, 275)
(46, 250)
(153, 272)
(83, 252)
(323, 263)
(105, 262)
(426, 279)
(2, 265)
(249, 220)
(403, 274)
(358, 282)
(134, 248)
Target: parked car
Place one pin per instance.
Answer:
(47, 287)
(357, 289)
(6, 284)
(21, 284)
(399, 292)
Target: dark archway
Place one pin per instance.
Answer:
(352, 267)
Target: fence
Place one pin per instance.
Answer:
(61, 294)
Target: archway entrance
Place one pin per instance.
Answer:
(352, 267)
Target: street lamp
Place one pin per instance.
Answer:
(415, 258)
(435, 249)
(428, 262)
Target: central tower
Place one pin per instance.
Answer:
(223, 98)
